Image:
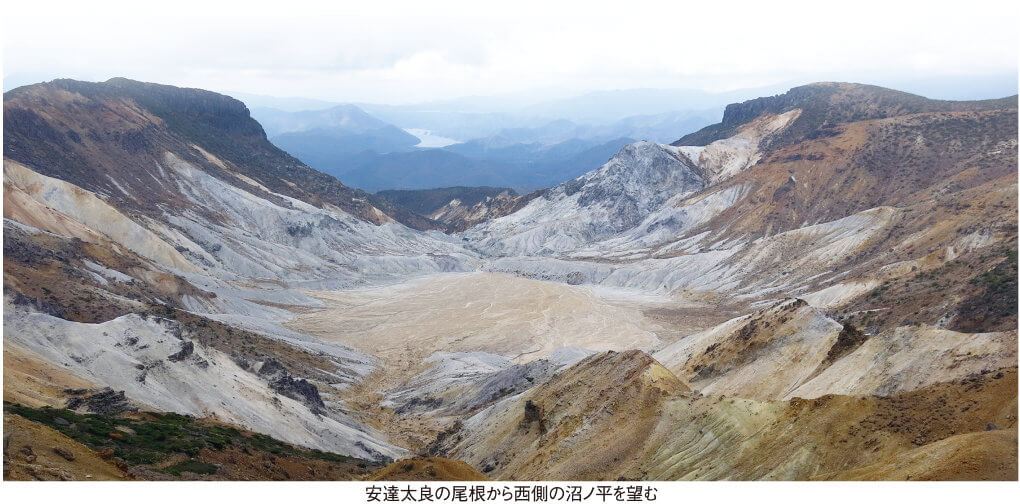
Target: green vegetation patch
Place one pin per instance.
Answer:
(159, 436)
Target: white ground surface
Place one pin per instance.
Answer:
(207, 383)
(518, 318)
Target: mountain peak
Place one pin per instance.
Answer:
(642, 162)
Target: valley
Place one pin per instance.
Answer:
(820, 286)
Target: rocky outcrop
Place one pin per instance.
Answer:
(104, 401)
(848, 340)
(64, 453)
(187, 348)
(281, 381)
(299, 389)
(272, 368)
(532, 416)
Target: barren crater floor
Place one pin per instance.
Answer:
(519, 318)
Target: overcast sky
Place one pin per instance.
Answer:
(399, 52)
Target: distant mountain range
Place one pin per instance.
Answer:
(347, 118)
(522, 166)
(370, 154)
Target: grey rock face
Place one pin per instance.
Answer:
(636, 182)
(104, 401)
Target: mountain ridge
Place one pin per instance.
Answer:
(851, 102)
(165, 116)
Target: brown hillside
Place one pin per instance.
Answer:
(593, 422)
(427, 469)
